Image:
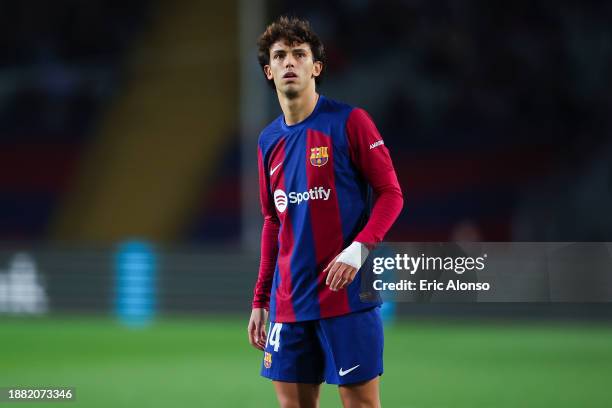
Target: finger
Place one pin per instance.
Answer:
(344, 276)
(262, 336)
(332, 273)
(333, 278)
(257, 332)
(250, 331)
(347, 277)
(344, 281)
(338, 276)
(252, 339)
(340, 282)
(328, 277)
(334, 285)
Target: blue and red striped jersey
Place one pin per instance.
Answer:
(315, 180)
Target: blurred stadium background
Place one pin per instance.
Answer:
(129, 217)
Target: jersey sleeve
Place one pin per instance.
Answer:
(269, 240)
(371, 157)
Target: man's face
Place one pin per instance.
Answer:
(292, 67)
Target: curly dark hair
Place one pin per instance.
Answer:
(293, 31)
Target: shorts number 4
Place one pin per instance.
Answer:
(274, 337)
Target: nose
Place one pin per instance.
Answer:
(289, 61)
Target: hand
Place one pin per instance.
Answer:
(257, 328)
(339, 274)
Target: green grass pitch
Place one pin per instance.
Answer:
(207, 362)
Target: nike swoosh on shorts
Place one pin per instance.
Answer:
(342, 373)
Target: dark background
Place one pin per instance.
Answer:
(496, 115)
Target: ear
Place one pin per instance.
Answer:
(267, 71)
(317, 68)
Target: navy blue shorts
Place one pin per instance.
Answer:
(340, 350)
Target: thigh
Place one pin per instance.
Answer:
(293, 354)
(353, 347)
(297, 395)
(361, 395)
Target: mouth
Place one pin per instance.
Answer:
(290, 75)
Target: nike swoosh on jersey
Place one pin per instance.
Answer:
(342, 373)
(275, 168)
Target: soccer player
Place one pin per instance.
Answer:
(319, 162)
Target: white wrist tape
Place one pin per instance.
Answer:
(354, 255)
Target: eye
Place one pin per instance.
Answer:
(277, 56)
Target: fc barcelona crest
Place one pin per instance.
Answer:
(267, 359)
(319, 156)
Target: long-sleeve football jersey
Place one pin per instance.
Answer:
(316, 180)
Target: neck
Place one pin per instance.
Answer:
(296, 108)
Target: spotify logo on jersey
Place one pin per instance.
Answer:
(280, 200)
(315, 193)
